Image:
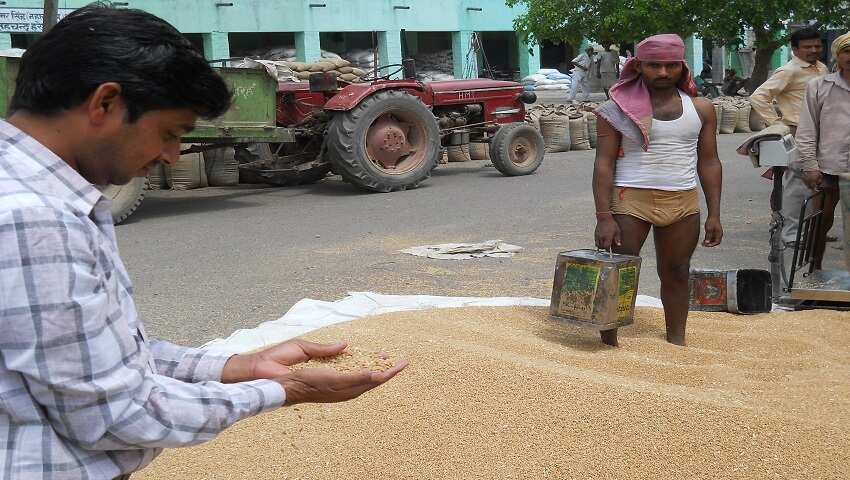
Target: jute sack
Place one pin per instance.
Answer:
(459, 153)
(555, 129)
(444, 156)
(339, 62)
(533, 117)
(349, 77)
(730, 118)
(757, 123)
(591, 128)
(742, 123)
(479, 151)
(156, 178)
(718, 112)
(222, 167)
(187, 173)
(579, 134)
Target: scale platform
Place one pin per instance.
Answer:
(823, 285)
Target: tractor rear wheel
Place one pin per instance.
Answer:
(390, 141)
(125, 198)
(516, 149)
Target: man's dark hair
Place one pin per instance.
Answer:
(808, 33)
(156, 66)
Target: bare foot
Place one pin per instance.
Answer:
(609, 337)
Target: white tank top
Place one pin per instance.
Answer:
(671, 161)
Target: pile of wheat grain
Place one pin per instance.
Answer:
(509, 393)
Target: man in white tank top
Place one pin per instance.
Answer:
(655, 139)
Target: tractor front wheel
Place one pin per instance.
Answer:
(390, 141)
(516, 149)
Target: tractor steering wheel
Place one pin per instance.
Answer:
(372, 75)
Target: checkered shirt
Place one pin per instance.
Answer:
(84, 394)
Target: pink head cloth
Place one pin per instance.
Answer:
(631, 94)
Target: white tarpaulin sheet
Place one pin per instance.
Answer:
(465, 251)
(308, 315)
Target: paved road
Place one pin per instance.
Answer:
(206, 262)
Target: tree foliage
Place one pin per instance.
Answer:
(603, 20)
(632, 20)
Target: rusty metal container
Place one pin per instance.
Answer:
(595, 289)
(744, 291)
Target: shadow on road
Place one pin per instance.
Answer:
(161, 207)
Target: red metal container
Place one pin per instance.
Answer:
(737, 291)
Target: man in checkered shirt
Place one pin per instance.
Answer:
(84, 394)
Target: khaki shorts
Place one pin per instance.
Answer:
(657, 207)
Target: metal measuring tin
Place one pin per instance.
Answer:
(595, 289)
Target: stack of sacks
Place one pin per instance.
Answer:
(277, 69)
(565, 127)
(588, 108)
(736, 115)
(280, 62)
(554, 125)
(547, 79)
(434, 67)
(361, 58)
(299, 71)
(435, 63)
(286, 54)
(433, 76)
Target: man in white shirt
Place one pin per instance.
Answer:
(581, 67)
(656, 142)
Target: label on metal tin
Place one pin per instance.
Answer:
(579, 290)
(626, 292)
(708, 290)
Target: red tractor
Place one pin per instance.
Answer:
(384, 135)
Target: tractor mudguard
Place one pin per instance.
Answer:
(351, 96)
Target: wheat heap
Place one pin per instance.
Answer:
(510, 393)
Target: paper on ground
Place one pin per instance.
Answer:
(465, 251)
(308, 315)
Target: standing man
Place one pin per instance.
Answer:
(732, 83)
(102, 97)
(787, 86)
(655, 138)
(609, 68)
(823, 136)
(581, 67)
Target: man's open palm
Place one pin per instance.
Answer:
(275, 361)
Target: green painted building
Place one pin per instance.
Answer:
(226, 28)
(229, 27)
